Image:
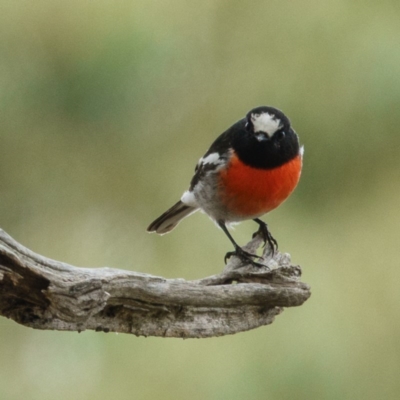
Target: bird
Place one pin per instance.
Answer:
(249, 170)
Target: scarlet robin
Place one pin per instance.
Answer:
(249, 170)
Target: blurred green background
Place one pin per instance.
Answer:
(106, 106)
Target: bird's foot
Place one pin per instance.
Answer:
(244, 256)
(266, 237)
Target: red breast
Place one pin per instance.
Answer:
(250, 192)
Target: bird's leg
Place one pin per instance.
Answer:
(239, 252)
(266, 235)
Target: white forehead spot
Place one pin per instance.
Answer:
(265, 122)
(213, 158)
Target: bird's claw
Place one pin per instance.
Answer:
(266, 237)
(244, 256)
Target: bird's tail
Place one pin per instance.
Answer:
(168, 221)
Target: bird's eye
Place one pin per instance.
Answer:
(281, 134)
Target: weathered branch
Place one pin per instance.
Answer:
(46, 294)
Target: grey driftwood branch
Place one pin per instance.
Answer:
(45, 294)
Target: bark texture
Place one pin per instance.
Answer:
(45, 294)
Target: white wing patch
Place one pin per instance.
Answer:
(206, 166)
(213, 158)
(265, 122)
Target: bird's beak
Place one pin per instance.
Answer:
(261, 136)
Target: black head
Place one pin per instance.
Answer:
(267, 140)
(265, 121)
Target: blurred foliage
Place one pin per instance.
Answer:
(105, 108)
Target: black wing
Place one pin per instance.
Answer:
(222, 146)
